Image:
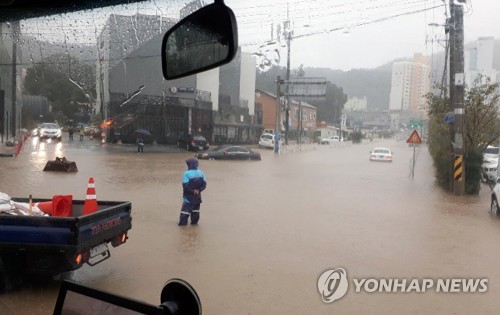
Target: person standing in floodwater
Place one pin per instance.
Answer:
(70, 133)
(193, 183)
(82, 133)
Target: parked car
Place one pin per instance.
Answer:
(489, 168)
(92, 130)
(494, 208)
(193, 143)
(50, 131)
(491, 152)
(233, 152)
(267, 140)
(330, 140)
(381, 154)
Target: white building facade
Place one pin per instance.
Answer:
(478, 63)
(402, 73)
(356, 104)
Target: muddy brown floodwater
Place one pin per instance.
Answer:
(268, 229)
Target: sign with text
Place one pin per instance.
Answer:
(307, 88)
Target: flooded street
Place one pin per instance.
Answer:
(268, 229)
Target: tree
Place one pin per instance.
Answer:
(439, 142)
(330, 109)
(481, 128)
(481, 123)
(266, 81)
(299, 72)
(64, 80)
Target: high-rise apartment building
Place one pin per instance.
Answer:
(410, 83)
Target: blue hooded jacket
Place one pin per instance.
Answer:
(193, 179)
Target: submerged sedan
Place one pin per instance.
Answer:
(381, 154)
(230, 152)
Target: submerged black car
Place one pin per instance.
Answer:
(193, 143)
(233, 152)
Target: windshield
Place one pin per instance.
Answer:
(374, 199)
(384, 151)
(49, 126)
(491, 150)
(221, 148)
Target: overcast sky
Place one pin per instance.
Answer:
(352, 45)
(337, 34)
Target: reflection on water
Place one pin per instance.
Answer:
(282, 220)
(190, 239)
(42, 150)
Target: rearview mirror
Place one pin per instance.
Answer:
(204, 40)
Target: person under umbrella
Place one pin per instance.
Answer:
(141, 133)
(140, 144)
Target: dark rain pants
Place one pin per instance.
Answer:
(189, 209)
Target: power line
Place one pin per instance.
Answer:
(370, 22)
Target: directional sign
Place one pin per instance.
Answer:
(414, 138)
(416, 123)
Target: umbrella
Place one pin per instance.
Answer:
(143, 132)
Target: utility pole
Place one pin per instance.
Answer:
(457, 94)
(300, 124)
(278, 109)
(288, 33)
(15, 40)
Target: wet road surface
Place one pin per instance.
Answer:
(268, 229)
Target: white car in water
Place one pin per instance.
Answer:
(266, 140)
(50, 131)
(381, 154)
(330, 140)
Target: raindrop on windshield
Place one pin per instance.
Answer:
(267, 56)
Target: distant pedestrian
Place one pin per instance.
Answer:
(82, 133)
(193, 183)
(70, 132)
(140, 145)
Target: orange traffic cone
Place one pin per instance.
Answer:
(46, 206)
(62, 206)
(90, 205)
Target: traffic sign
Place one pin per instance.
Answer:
(414, 138)
(416, 123)
(449, 118)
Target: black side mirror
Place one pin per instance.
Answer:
(204, 40)
(179, 297)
